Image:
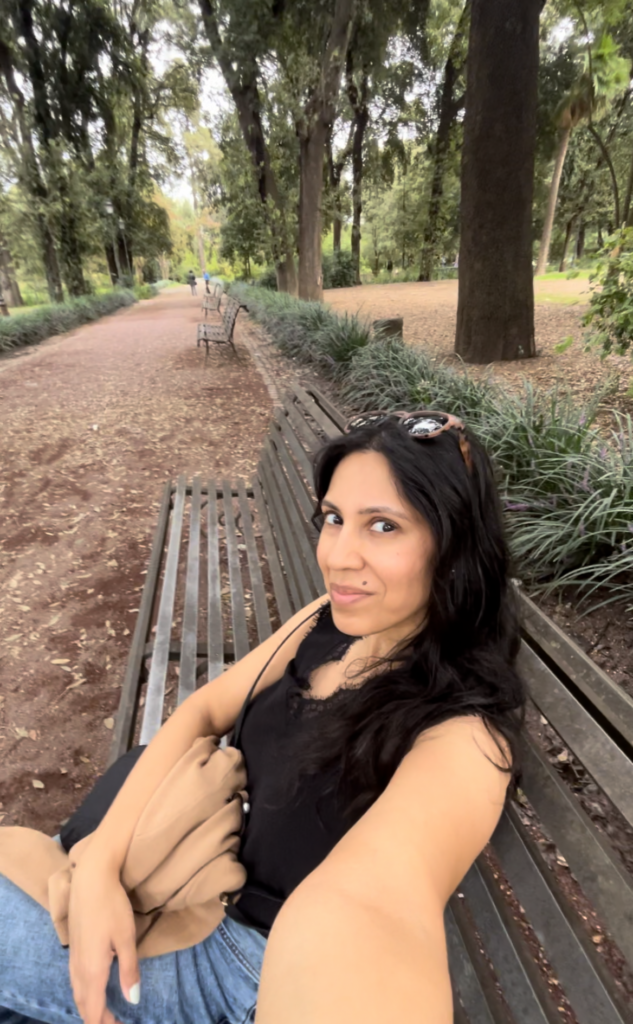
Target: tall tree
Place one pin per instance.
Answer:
(604, 75)
(450, 102)
(18, 143)
(239, 35)
(495, 313)
(313, 126)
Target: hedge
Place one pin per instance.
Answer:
(46, 321)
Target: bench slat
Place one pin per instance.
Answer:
(188, 656)
(294, 444)
(329, 428)
(281, 528)
(465, 979)
(154, 700)
(262, 614)
(303, 429)
(297, 484)
(597, 868)
(279, 585)
(238, 608)
(337, 417)
(125, 719)
(308, 571)
(502, 943)
(215, 629)
(601, 756)
(606, 696)
(577, 967)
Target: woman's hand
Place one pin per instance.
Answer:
(101, 926)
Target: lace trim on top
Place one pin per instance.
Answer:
(299, 699)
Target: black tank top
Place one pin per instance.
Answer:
(287, 836)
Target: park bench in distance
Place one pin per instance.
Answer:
(231, 559)
(211, 302)
(222, 333)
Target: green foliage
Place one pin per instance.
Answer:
(567, 491)
(145, 291)
(46, 321)
(610, 315)
(267, 280)
(307, 331)
(338, 269)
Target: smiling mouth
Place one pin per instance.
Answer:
(347, 595)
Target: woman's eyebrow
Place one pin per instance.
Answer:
(370, 511)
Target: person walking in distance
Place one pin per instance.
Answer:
(207, 278)
(191, 280)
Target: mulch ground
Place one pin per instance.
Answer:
(93, 425)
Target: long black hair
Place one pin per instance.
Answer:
(462, 659)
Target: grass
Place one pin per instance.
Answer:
(35, 325)
(567, 492)
(565, 275)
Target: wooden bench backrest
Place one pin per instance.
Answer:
(234, 543)
(229, 317)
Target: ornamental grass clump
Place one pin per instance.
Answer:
(306, 331)
(46, 321)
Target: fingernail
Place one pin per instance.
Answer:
(134, 995)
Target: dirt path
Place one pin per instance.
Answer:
(93, 423)
(430, 311)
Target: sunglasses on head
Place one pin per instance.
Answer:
(421, 425)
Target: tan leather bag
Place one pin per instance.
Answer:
(181, 863)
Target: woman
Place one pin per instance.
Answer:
(380, 747)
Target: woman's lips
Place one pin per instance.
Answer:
(347, 595)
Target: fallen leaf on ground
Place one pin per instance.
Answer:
(37, 784)
(109, 723)
(60, 661)
(21, 732)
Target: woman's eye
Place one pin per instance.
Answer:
(332, 519)
(383, 526)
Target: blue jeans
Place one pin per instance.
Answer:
(214, 982)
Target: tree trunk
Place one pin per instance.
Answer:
(9, 286)
(449, 109)
(113, 270)
(627, 212)
(313, 129)
(546, 237)
(580, 240)
(336, 225)
(50, 261)
(310, 215)
(358, 100)
(495, 312)
(568, 231)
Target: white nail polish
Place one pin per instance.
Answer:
(135, 994)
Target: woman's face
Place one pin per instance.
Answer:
(375, 551)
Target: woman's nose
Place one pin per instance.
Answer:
(345, 552)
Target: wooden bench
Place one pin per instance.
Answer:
(231, 559)
(211, 303)
(222, 333)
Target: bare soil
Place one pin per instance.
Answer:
(94, 423)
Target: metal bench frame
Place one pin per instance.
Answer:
(592, 715)
(222, 333)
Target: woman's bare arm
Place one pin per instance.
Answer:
(100, 919)
(211, 711)
(362, 938)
